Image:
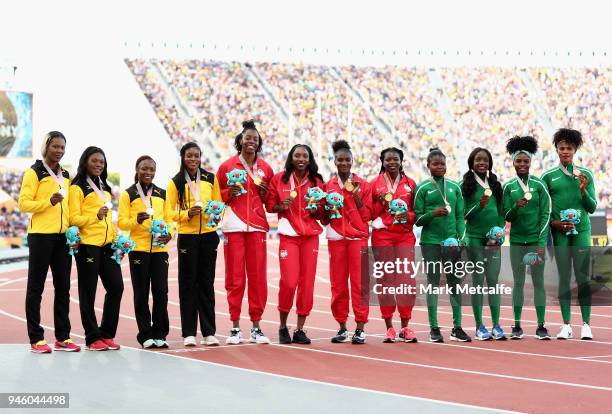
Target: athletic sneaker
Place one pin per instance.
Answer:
(565, 332)
(482, 334)
(517, 332)
(299, 337)
(435, 335)
(161, 343)
(40, 347)
(112, 345)
(283, 336)
(209, 340)
(341, 336)
(458, 334)
(406, 335)
(390, 337)
(585, 332)
(98, 345)
(189, 341)
(149, 343)
(359, 337)
(542, 333)
(235, 337)
(67, 346)
(498, 333)
(258, 337)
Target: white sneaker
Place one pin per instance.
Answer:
(235, 337)
(189, 341)
(586, 333)
(565, 332)
(209, 340)
(161, 343)
(258, 337)
(149, 343)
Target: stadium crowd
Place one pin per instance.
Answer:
(488, 106)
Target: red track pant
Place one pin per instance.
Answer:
(245, 254)
(344, 265)
(298, 266)
(395, 245)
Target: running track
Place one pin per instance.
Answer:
(527, 375)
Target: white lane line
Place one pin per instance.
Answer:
(442, 368)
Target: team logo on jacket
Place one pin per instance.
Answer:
(407, 188)
(283, 254)
(136, 262)
(261, 173)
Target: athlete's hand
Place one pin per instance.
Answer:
(584, 181)
(403, 217)
(56, 198)
(164, 239)
(194, 211)
(102, 212)
(233, 190)
(561, 225)
(263, 188)
(142, 217)
(440, 212)
(483, 201)
(521, 202)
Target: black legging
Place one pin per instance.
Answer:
(196, 276)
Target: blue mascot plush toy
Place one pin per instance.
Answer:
(121, 246)
(571, 216)
(497, 234)
(315, 194)
(214, 209)
(158, 229)
(73, 239)
(397, 207)
(237, 177)
(532, 259)
(335, 202)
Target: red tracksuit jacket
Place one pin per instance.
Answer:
(299, 218)
(247, 207)
(354, 221)
(380, 211)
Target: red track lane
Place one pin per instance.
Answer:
(527, 375)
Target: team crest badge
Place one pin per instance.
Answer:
(283, 254)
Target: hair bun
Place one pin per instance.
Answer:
(341, 144)
(432, 149)
(248, 124)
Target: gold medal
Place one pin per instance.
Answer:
(348, 186)
(527, 196)
(150, 211)
(108, 205)
(257, 181)
(448, 208)
(293, 194)
(488, 192)
(388, 197)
